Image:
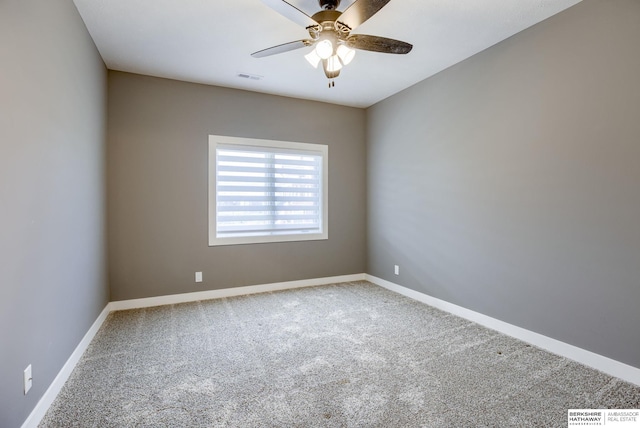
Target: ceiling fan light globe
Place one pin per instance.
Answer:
(324, 49)
(329, 74)
(313, 58)
(346, 54)
(334, 64)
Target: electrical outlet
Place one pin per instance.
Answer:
(198, 276)
(396, 270)
(28, 379)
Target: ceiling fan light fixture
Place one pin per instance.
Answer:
(313, 58)
(345, 54)
(324, 49)
(330, 35)
(334, 64)
(331, 74)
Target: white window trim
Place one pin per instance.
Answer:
(215, 140)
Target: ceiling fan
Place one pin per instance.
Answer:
(330, 33)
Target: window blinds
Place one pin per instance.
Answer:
(267, 191)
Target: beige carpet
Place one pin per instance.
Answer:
(342, 355)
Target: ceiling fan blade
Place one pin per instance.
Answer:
(378, 44)
(360, 11)
(286, 47)
(291, 12)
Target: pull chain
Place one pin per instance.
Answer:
(332, 83)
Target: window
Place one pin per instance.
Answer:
(266, 191)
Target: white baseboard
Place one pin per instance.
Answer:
(52, 392)
(228, 292)
(588, 358)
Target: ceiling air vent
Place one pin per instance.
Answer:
(249, 76)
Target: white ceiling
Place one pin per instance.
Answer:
(210, 42)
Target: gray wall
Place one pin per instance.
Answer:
(157, 169)
(509, 184)
(52, 194)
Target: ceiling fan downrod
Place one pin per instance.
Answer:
(329, 4)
